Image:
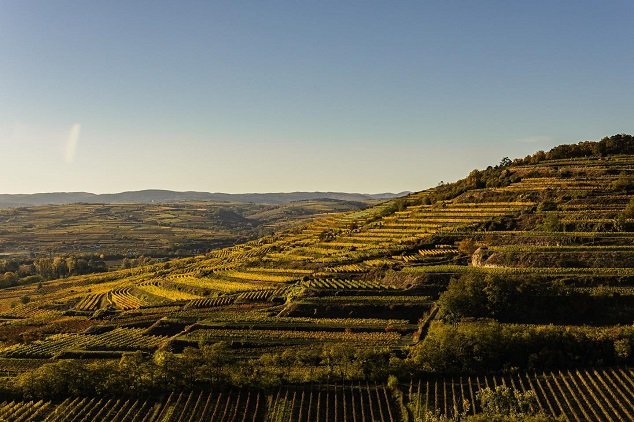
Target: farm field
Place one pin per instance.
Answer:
(517, 280)
(157, 230)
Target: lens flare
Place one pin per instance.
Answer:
(71, 143)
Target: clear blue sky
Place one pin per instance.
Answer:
(261, 96)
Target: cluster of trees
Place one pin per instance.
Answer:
(138, 262)
(16, 271)
(529, 299)
(59, 266)
(490, 346)
(459, 348)
(28, 271)
(492, 177)
(616, 144)
(505, 297)
(507, 404)
(138, 375)
(214, 366)
(209, 366)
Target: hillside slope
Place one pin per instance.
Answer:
(518, 268)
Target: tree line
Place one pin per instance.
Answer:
(14, 272)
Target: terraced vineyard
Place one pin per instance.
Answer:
(519, 276)
(579, 395)
(574, 395)
(320, 403)
(119, 339)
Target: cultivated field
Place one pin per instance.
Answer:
(520, 277)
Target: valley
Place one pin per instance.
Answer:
(519, 276)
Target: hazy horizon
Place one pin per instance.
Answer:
(284, 96)
(197, 191)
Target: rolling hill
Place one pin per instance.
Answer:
(150, 229)
(518, 277)
(167, 196)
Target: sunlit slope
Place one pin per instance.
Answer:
(370, 268)
(337, 246)
(587, 197)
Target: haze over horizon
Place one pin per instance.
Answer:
(287, 96)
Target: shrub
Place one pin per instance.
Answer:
(505, 401)
(485, 346)
(628, 212)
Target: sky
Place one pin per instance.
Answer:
(279, 96)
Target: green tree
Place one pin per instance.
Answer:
(551, 223)
(44, 267)
(625, 183)
(136, 373)
(547, 205)
(214, 357)
(505, 401)
(59, 267)
(505, 162)
(465, 296)
(9, 279)
(628, 212)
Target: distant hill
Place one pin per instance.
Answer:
(166, 196)
(152, 229)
